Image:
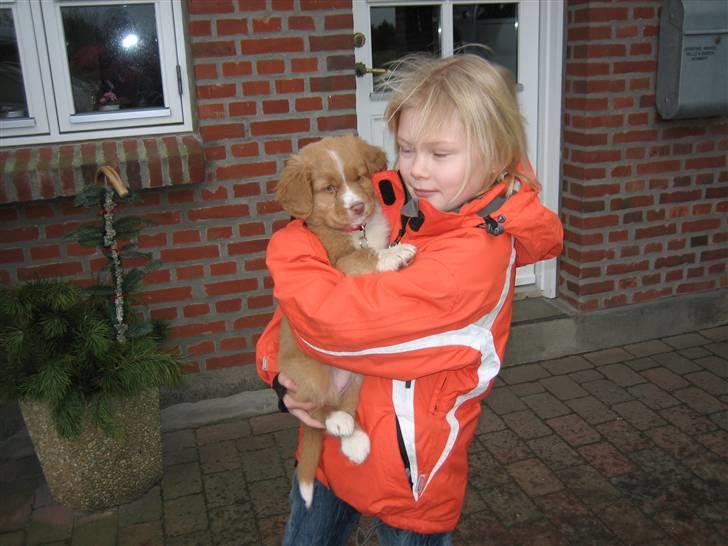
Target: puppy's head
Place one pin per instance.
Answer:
(329, 182)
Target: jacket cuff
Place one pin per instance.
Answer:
(280, 391)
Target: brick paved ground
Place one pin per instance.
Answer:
(623, 446)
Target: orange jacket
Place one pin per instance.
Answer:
(429, 340)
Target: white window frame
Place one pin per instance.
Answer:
(52, 117)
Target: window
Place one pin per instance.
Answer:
(79, 69)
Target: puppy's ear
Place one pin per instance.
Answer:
(294, 191)
(375, 159)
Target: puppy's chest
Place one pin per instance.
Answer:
(375, 233)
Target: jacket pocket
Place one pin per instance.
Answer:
(436, 402)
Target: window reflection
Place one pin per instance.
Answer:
(399, 30)
(113, 55)
(13, 103)
(492, 25)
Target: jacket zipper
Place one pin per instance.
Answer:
(402, 449)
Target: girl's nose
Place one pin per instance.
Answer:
(419, 167)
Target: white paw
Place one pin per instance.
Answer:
(306, 490)
(396, 257)
(356, 447)
(339, 423)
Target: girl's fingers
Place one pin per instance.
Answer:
(306, 418)
(284, 380)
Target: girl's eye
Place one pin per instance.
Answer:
(403, 150)
(330, 189)
(441, 155)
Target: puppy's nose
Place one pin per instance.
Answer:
(357, 208)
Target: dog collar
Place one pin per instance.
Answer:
(352, 229)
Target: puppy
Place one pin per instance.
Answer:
(328, 185)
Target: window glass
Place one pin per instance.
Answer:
(492, 25)
(13, 102)
(113, 57)
(399, 30)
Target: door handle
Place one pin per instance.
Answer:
(360, 69)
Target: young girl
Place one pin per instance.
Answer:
(429, 338)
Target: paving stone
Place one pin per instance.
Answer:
(587, 530)
(503, 401)
(720, 349)
(526, 389)
(561, 505)
(621, 375)
(606, 459)
(665, 379)
(16, 538)
(489, 422)
(626, 521)
(699, 400)
(227, 487)
(98, 529)
(16, 506)
(639, 415)
(42, 496)
(563, 387)
(181, 480)
(588, 485)
(510, 504)
(271, 530)
(556, 453)
(534, 477)
(683, 341)
(49, 524)
(709, 382)
(185, 515)
(717, 441)
(566, 365)
(269, 496)
(624, 436)
(142, 510)
(264, 424)
(505, 446)
(233, 526)
(608, 356)
(648, 348)
(652, 396)
(607, 391)
(714, 364)
(263, 464)
(286, 440)
(486, 472)
(179, 447)
(688, 420)
(693, 353)
(686, 527)
(721, 419)
(526, 424)
(219, 456)
(222, 431)
(710, 468)
(719, 333)
(523, 373)
(574, 430)
(591, 410)
(201, 538)
(640, 364)
(541, 532)
(674, 442)
(585, 375)
(142, 534)
(546, 405)
(677, 363)
(651, 493)
(255, 442)
(473, 501)
(481, 528)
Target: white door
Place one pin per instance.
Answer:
(514, 32)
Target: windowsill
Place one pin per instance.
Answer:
(49, 171)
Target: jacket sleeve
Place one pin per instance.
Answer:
(537, 230)
(360, 323)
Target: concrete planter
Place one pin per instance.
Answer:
(94, 471)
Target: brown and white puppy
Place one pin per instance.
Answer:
(328, 185)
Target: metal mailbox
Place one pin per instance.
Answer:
(692, 63)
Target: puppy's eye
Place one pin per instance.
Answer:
(330, 188)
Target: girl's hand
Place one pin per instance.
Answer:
(300, 410)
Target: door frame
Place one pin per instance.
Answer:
(545, 153)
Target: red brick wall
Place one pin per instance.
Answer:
(270, 76)
(644, 200)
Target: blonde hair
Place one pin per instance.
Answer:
(481, 93)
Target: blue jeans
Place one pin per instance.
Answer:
(331, 521)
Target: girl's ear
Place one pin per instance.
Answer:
(294, 192)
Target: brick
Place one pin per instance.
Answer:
(591, 410)
(606, 459)
(510, 504)
(272, 45)
(588, 485)
(225, 488)
(708, 382)
(628, 523)
(523, 373)
(534, 477)
(621, 375)
(699, 400)
(185, 515)
(574, 430)
(677, 363)
(607, 356)
(563, 387)
(553, 451)
(652, 396)
(566, 365)
(505, 446)
(526, 424)
(607, 391)
(623, 436)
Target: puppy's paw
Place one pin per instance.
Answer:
(339, 423)
(356, 447)
(396, 257)
(306, 490)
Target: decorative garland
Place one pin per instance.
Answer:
(110, 242)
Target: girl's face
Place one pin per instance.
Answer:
(434, 167)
